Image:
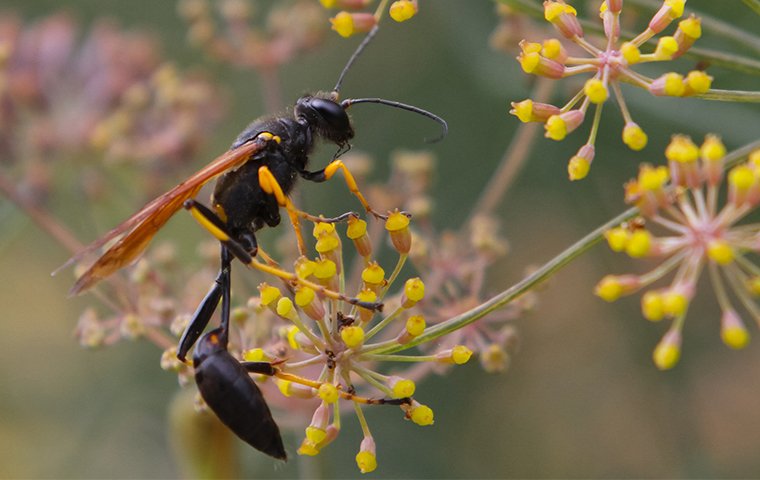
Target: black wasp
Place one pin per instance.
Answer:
(255, 177)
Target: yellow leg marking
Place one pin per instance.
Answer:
(208, 225)
(270, 185)
(333, 167)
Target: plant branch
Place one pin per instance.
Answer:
(542, 274)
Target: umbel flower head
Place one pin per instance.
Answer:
(330, 354)
(609, 65)
(699, 230)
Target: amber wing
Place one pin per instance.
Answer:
(135, 233)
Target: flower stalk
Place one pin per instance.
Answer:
(541, 274)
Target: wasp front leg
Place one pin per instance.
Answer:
(269, 184)
(328, 172)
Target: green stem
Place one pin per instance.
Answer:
(541, 275)
(731, 96)
(400, 358)
(753, 5)
(528, 283)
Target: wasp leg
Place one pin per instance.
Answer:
(270, 185)
(211, 222)
(208, 306)
(328, 172)
(262, 368)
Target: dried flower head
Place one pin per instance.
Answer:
(253, 36)
(63, 97)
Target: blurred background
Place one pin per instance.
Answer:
(581, 397)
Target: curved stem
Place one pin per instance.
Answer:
(540, 275)
(528, 283)
(515, 156)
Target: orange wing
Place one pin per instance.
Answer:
(137, 231)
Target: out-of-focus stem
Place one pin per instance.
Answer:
(515, 156)
(754, 5)
(42, 218)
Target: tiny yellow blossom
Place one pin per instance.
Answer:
(682, 149)
(578, 168)
(308, 448)
(461, 354)
(255, 355)
(666, 355)
(552, 48)
(652, 306)
(414, 291)
(596, 90)
(698, 82)
(732, 330)
(315, 435)
(347, 24)
(653, 179)
(366, 461)
(712, 149)
(691, 27)
(328, 393)
(610, 288)
(720, 252)
(634, 137)
(422, 415)
(556, 128)
(353, 336)
(402, 387)
(403, 10)
(617, 238)
(415, 325)
(373, 274)
(666, 48)
(631, 53)
(640, 244)
(674, 84)
(674, 303)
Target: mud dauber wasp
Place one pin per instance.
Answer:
(255, 177)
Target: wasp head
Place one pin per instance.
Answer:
(326, 117)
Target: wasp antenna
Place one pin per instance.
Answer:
(411, 108)
(353, 58)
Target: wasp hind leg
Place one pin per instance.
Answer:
(220, 290)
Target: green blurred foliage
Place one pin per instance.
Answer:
(581, 399)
